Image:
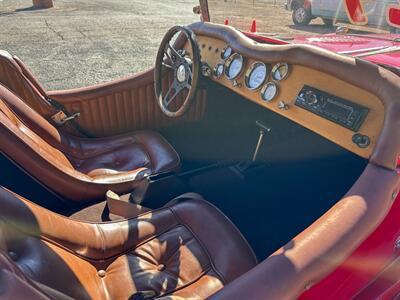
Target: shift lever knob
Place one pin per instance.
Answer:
(263, 127)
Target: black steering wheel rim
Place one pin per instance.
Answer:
(186, 70)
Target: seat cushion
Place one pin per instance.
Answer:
(125, 153)
(186, 250)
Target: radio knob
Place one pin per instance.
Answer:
(311, 98)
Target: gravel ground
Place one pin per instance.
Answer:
(84, 42)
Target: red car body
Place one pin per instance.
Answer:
(373, 270)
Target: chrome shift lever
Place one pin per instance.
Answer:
(263, 130)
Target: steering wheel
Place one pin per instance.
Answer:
(185, 65)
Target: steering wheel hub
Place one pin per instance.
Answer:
(181, 73)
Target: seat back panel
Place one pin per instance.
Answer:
(14, 77)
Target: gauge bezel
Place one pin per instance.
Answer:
(264, 89)
(228, 63)
(250, 71)
(224, 51)
(215, 70)
(276, 67)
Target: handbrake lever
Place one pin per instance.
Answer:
(263, 130)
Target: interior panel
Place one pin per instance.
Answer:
(124, 106)
(289, 88)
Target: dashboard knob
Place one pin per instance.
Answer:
(311, 98)
(282, 105)
(361, 140)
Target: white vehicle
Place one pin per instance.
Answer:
(334, 10)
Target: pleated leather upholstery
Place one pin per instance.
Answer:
(125, 105)
(186, 250)
(112, 108)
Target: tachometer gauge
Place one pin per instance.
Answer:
(256, 75)
(269, 91)
(218, 70)
(280, 71)
(226, 53)
(234, 66)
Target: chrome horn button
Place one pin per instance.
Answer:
(181, 73)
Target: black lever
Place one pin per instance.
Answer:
(263, 130)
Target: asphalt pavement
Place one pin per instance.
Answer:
(84, 42)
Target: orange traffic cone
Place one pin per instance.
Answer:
(253, 26)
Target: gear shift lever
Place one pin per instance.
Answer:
(263, 130)
(241, 168)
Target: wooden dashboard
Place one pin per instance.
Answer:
(290, 87)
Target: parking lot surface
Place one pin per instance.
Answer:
(84, 42)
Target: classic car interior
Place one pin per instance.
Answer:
(232, 170)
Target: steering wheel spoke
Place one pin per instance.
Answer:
(172, 92)
(167, 65)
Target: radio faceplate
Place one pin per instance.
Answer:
(338, 110)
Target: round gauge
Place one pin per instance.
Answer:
(280, 71)
(226, 53)
(234, 66)
(269, 91)
(218, 70)
(256, 75)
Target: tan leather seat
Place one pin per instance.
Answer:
(79, 168)
(185, 250)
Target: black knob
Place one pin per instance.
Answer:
(361, 140)
(311, 98)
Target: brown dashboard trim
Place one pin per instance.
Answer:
(378, 81)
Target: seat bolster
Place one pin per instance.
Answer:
(217, 234)
(162, 155)
(29, 75)
(107, 176)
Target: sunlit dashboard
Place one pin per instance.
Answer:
(343, 113)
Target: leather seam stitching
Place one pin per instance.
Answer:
(201, 243)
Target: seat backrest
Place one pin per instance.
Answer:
(39, 148)
(17, 78)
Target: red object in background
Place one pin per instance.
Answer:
(355, 12)
(393, 15)
(360, 277)
(307, 4)
(253, 27)
(226, 22)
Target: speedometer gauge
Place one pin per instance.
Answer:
(280, 71)
(269, 91)
(226, 53)
(234, 66)
(256, 75)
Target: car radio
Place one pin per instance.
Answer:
(340, 111)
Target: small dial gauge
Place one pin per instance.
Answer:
(256, 75)
(234, 66)
(280, 71)
(226, 53)
(219, 70)
(269, 91)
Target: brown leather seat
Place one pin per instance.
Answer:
(79, 168)
(185, 250)
(17, 78)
